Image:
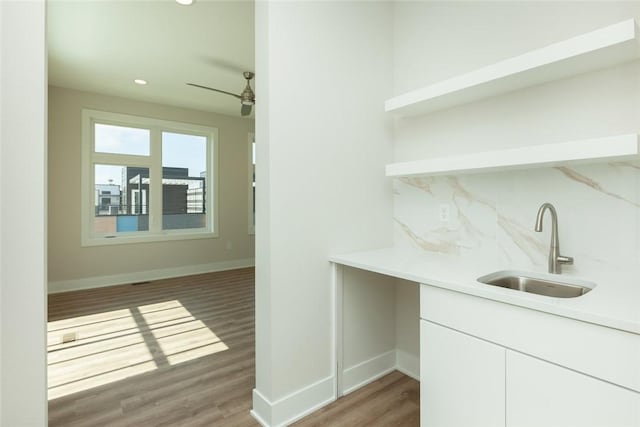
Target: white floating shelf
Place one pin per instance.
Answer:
(598, 49)
(614, 148)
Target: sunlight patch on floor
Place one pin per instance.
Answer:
(89, 324)
(119, 344)
(184, 341)
(86, 379)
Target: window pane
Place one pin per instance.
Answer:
(121, 199)
(121, 140)
(253, 182)
(184, 186)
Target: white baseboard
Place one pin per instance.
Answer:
(261, 408)
(294, 406)
(370, 370)
(301, 403)
(408, 364)
(141, 276)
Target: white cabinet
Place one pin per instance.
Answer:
(462, 379)
(467, 381)
(532, 370)
(543, 394)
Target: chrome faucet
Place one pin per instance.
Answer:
(555, 259)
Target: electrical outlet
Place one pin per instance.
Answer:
(229, 245)
(444, 212)
(69, 337)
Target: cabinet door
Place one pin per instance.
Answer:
(461, 381)
(543, 394)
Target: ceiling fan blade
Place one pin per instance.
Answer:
(215, 90)
(245, 110)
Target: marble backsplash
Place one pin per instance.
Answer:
(492, 216)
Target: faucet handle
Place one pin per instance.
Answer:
(564, 259)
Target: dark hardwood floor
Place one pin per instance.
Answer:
(180, 352)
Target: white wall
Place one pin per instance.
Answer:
(407, 333)
(1, 143)
(73, 266)
(493, 214)
(323, 140)
(368, 327)
(23, 214)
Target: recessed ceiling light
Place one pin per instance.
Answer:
(140, 82)
(185, 2)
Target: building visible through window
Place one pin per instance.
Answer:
(183, 200)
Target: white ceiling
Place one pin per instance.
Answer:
(102, 46)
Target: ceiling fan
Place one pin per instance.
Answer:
(247, 97)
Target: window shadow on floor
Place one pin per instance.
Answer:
(166, 347)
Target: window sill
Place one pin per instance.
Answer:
(148, 238)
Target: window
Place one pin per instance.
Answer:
(146, 180)
(252, 183)
(184, 181)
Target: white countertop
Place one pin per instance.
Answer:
(614, 302)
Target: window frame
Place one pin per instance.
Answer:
(251, 175)
(154, 162)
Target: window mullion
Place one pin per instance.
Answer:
(155, 181)
(212, 179)
(252, 177)
(121, 159)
